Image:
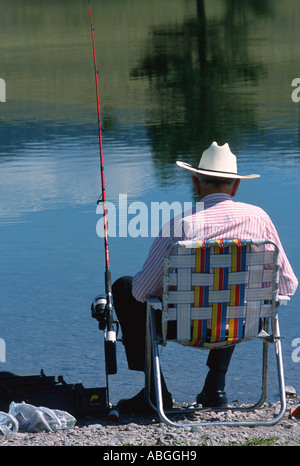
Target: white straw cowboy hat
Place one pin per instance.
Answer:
(217, 161)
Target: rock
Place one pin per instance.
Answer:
(290, 391)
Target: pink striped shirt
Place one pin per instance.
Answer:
(221, 218)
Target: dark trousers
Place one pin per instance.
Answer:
(132, 318)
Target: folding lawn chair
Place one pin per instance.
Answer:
(218, 293)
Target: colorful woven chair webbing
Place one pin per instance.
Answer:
(220, 289)
(220, 326)
(201, 296)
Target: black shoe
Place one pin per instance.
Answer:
(213, 399)
(139, 405)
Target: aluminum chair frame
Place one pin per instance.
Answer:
(154, 339)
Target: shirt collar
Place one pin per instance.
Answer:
(213, 199)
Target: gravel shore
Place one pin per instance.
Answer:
(149, 431)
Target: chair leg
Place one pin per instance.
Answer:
(152, 347)
(280, 372)
(152, 362)
(152, 341)
(265, 364)
(264, 374)
(148, 358)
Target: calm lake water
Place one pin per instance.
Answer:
(175, 75)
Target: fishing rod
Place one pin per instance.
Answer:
(102, 307)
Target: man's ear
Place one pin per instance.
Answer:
(235, 187)
(197, 186)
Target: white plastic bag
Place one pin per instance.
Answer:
(8, 424)
(67, 421)
(36, 419)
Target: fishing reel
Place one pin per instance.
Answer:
(102, 314)
(99, 311)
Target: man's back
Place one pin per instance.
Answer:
(220, 217)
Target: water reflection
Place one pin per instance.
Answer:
(174, 76)
(195, 69)
(208, 71)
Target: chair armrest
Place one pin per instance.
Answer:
(154, 302)
(283, 300)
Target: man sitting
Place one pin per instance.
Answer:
(216, 182)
